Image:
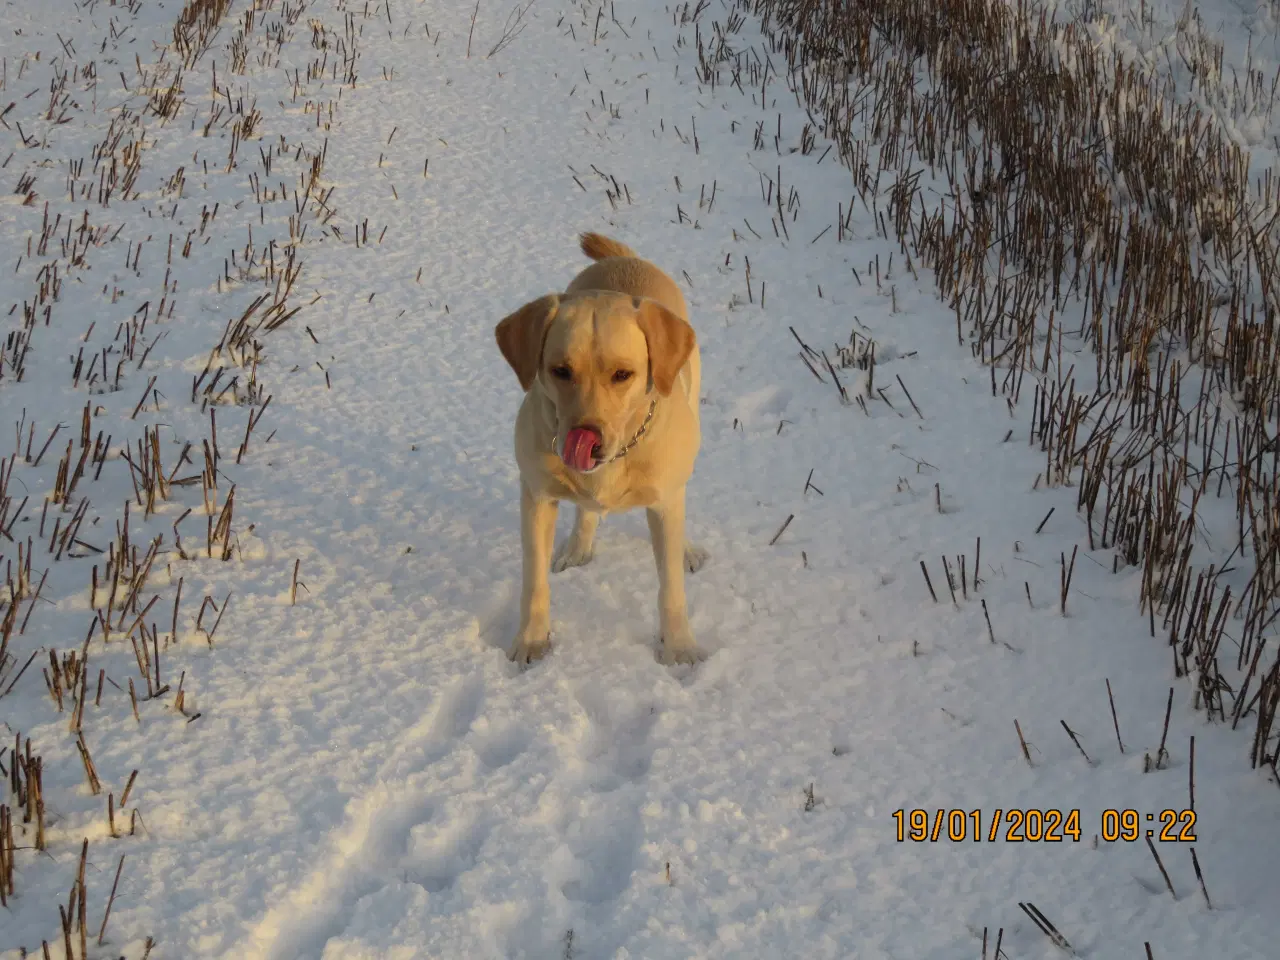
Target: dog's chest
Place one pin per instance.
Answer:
(612, 489)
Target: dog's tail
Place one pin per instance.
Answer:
(598, 247)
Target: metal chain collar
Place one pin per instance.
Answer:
(639, 433)
(653, 404)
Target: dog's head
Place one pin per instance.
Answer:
(597, 356)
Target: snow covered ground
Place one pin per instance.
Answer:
(368, 776)
(1221, 57)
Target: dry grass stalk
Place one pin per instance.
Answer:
(111, 899)
(90, 771)
(1047, 928)
(1114, 720)
(7, 851)
(1191, 775)
(513, 27)
(1163, 872)
(951, 583)
(196, 28)
(785, 523)
(1162, 755)
(1076, 740)
(1033, 126)
(927, 582)
(122, 590)
(1022, 741)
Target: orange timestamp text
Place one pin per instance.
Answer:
(1032, 825)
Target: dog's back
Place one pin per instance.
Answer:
(620, 269)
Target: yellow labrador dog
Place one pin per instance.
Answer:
(610, 421)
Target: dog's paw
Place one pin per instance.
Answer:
(695, 557)
(571, 554)
(530, 645)
(678, 645)
(672, 654)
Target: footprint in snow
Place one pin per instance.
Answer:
(436, 858)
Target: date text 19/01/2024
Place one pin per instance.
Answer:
(1041, 826)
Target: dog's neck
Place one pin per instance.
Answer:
(640, 430)
(642, 422)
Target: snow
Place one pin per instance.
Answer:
(369, 776)
(1167, 37)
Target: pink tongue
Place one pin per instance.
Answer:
(578, 445)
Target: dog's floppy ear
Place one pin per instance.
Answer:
(670, 340)
(520, 336)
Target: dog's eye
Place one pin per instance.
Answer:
(622, 376)
(562, 372)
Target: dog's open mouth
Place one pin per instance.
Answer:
(582, 449)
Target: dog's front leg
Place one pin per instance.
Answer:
(537, 534)
(577, 550)
(666, 530)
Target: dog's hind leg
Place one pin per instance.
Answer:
(577, 550)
